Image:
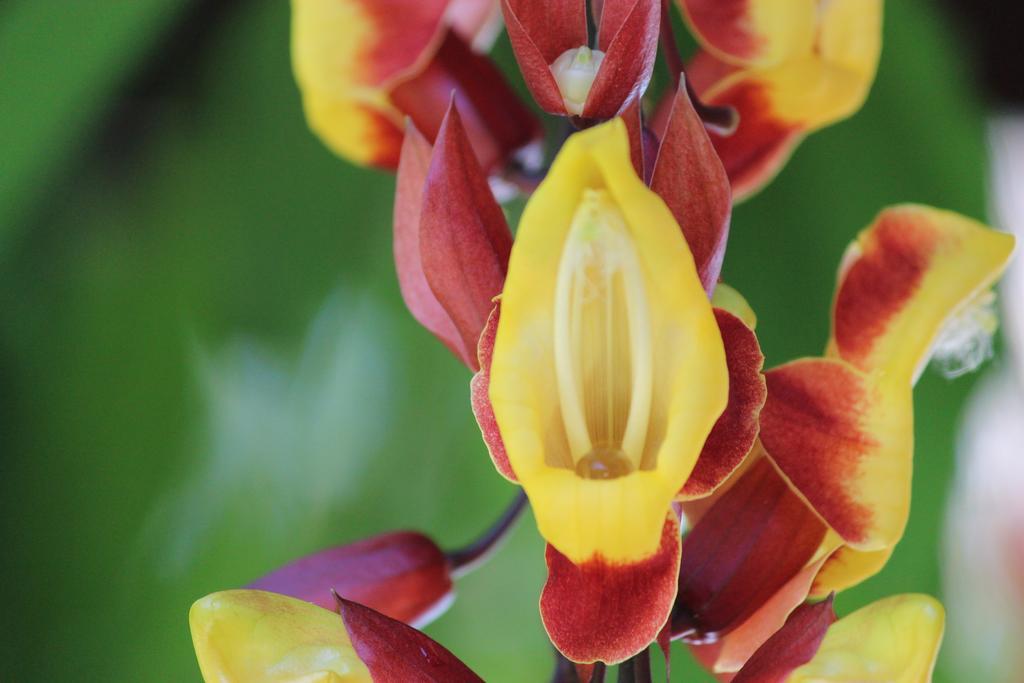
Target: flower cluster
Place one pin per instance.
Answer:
(684, 492)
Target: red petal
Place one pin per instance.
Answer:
(730, 652)
(464, 239)
(608, 612)
(736, 429)
(412, 175)
(496, 120)
(630, 42)
(479, 388)
(540, 31)
(403, 575)
(725, 26)
(811, 426)
(753, 540)
(393, 651)
(791, 647)
(761, 144)
(402, 33)
(690, 178)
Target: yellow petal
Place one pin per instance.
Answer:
(894, 640)
(729, 299)
(249, 636)
(603, 316)
(753, 32)
(847, 567)
(912, 271)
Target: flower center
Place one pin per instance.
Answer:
(574, 71)
(602, 333)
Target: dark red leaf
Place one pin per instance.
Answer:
(402, 574)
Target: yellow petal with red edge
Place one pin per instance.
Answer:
(753, 31)
(894, 640)
(845, 443)
(255, 637)
(677, 367)
(911, 271)
(344, 53)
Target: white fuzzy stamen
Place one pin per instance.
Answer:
(965, 340)
(574, 72)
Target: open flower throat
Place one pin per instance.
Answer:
(602, 342)
(608, 370)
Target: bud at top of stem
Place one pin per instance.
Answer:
(574, 72)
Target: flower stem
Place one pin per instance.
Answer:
(467, 558)
(637, 669)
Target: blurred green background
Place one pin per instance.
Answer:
(206, 368)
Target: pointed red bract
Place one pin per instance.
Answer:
(811, 426)
(628, 35)
(480, 399)
(606, 612)
(419, 298)
(690, 178)
(791, 647)
(464, 239)
(393, 651)
(734, 433)
(404, 575)
(540, 31)
(752, 541)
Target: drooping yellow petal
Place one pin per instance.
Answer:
(608, 369)
(894, 640)
(904, 280)
(249, 636)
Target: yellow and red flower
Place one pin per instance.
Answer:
(364, 65)
(252, 636)
(895, 640)
(788, 68)
(824, 498)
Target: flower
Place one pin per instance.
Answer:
(824, 497)
(364, 65)
(569, 78)
(602, 377)
(788, 68)
(894, 640)
(251, 636)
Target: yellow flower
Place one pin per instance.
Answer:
(608, 369)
